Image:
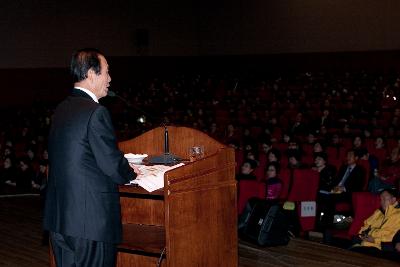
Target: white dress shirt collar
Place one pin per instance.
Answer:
(90, 93)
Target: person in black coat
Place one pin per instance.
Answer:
(25, 176)
(82, 209)
(247, 170)
(349, 179)
(7, 174)
(351, 176)
(327, 173)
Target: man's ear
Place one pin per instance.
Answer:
(91, 74)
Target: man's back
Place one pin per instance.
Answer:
(85, 168)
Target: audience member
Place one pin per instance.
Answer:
(247, 170)
(351, 176)
(381, 226)
(7, 173)
(274, 155)
(349, 179)
(273, 182)
(326, 172)
(294, 159)
(25, 176)
(388, 175)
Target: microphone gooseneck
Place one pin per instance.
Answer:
(111, 93)
(166, 141)
(166, 158)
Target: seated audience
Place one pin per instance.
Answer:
(350, 176)
(25, 176)
(7, 173)
(326, 172)
(274, 155)
(294, 158)
(40, 178)
(349, 179)
(318, 147)
(388, 175)
(381, 226)
(358, 142)
(247, 170)
(273, 182)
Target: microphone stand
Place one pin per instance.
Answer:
(166, 158)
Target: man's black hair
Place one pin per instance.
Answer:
(276, 165)
(392, 191)
(322, 155)
(82, 61)
(361, 152)
(276, 152)
(253, 163)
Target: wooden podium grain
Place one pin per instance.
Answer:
(193, 218)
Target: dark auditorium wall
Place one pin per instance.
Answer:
(37, 37)
(43, 33)
(300, 26)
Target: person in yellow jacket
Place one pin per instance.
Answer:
(381, 226)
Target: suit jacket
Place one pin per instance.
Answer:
(355, 181)
(85, 169)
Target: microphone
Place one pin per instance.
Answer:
(111, 93)
(166, 158)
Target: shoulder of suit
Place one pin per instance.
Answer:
(100, 111)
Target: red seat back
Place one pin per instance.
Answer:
(259, 172)
(380, 154)
(284, 175)
(367, 169)
(304, 188)
(246, 190)
(364, 204)
(336, 156)
(239, 158)
(305, 185)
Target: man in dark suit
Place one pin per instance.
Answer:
(350, 178)
(82, 211)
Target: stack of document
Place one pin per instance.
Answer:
(151, 178)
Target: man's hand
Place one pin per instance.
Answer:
(383, 178)
(135, 169)
(397, 247)
(338, 189)
(368, 238)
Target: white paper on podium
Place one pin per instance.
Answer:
(152, 177)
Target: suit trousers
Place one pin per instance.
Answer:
(79, 252)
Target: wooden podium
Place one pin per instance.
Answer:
(192, 221)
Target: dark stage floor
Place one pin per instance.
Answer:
(20, 244)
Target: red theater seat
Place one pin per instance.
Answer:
(380, 153)
(364, 204)
(285, 176)
(367, 169)
(246, 190)
(304, 188)
(239, 158)
(336, 156)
